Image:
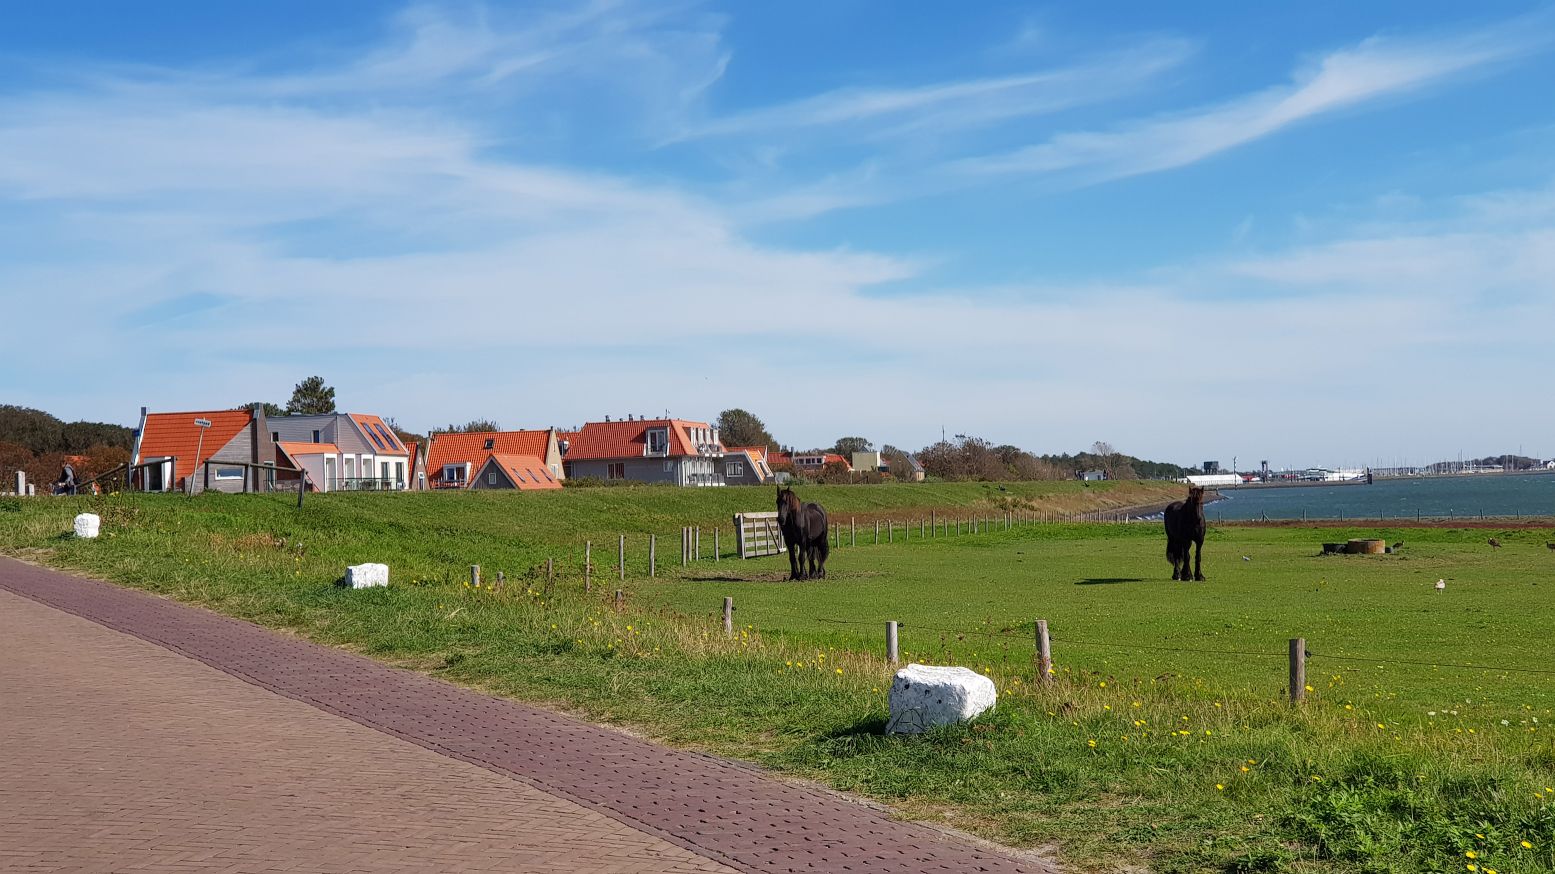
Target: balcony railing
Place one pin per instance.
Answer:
(363, 484)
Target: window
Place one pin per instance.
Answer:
(491, 478)
(316, 437)
(453, 473)
(399, 473)
(229, 473)
(388, 439)
(669, 466)
(383, 470)
(734, 468)
(616, 470)
(490, 442)
(275, 436)
(658, 441)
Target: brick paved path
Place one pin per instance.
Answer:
(119, 755)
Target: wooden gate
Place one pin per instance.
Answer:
(759, 534)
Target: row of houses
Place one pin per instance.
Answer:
(246, 450)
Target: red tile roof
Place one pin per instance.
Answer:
(627, 439)
(527, 472)
(176, 434)
(471, 448)
(755, 451)
(378, 432)
(294, 448)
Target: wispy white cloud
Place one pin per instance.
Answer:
(1378, 68)
(955, 105)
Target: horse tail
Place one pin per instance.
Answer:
(1173, 550)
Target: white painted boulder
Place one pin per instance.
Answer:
(88, 525)
(362, 576)
(924, 696)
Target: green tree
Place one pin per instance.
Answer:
(312, 397)
(736, 427)
(271, 410)
(474, 426)
(34, 429)
(846, 446)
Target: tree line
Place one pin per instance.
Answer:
(965, 458)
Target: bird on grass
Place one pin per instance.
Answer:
(1494, 543)
(1441, 585)
(1550, 544)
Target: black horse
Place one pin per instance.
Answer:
(1185, 529)
(804, 530)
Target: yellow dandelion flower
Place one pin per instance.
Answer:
(1471, 854)
(1527, 846)
(839, 670)
(1091, 743)
(1245, 769)
(1310, 689)
(1103, 684)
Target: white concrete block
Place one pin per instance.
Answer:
(924, 696)
(88, 525)
(361, 576)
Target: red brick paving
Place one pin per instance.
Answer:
(226, 808)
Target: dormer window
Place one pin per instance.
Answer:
(658, 441)
(490, 442)
(316, 437)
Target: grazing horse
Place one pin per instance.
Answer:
(804, 530)
(1185, 529)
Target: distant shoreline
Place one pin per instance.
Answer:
(1305, 484)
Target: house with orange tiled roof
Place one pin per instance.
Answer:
(186, 451)
(815, 462)
(456, 460)
(366, 456)
(746, 466)
(526, 473)
(672, 451)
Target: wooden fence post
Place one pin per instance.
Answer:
(620, 600)
(621, 555)
(653, 555)
(588, 566)
(717, 550)
(475, 575)
(1298, 669)
(21, 484)
(853, 531)
(877, 532)
(890, 531)
(891, 652)
(729, 616)
(502, 578)
(1044, 653)
(550, 575)
(696, 543)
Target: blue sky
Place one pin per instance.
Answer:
(1321, 234)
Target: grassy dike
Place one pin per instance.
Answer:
(1111, 766)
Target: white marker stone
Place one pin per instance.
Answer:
(88, 525)
(362, 576)
(923, 696)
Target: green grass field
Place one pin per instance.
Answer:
(1165, 740)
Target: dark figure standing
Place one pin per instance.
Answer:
(1185, 529)
(66, 484)
(805, 532)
